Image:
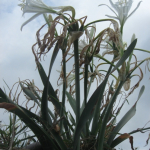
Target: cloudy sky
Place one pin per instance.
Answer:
(17, 60)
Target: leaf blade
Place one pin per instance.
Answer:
(125, 55)
(126, 117)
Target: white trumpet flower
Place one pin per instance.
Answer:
(122, 7)
(38, 7)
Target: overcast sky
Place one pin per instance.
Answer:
(17, 60)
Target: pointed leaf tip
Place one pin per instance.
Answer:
(141, 92)
(120, 139)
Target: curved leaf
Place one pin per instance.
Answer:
(125, 55)
(97, 109)
(28, 118)
(87, 112)
(120, 139)
(71, 101)
(51, 91)
(106, 116)
(44, 101)
(126, 118)
(37, 130)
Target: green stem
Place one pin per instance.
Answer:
(77, 80)
(85, 83)
(64, 90)
(85, 92)
(142, 50)
(97, 21)
(77, 85)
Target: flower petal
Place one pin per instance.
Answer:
(112, 17)
(66, 8)
(115, 6)
(134, 9)
(33, 17)
(109, 8)
(92, 31)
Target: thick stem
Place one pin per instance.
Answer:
(77, 80)
(77, 85)
(64, 90)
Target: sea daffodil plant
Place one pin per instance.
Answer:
(92, 125)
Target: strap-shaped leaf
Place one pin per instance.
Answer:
(27, 117)
(71, 101)
(71, 118)
(87, 112)
(126, 117)
(54, 55)
(120, 139)
(125, 55)
(37, 130)
(51, 91)
(5, 97)
(97, 109)
(106, 116)
(44, 101)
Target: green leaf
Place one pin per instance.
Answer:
(45, 140)
(125, 118)
(4, 96)
(87, 112)
(71, 118)
(44, 101)
(44, 104)
(71, 101)
(141, 92)
(125, 55)
(51, 91)
(27, 117)
(97, 109)
(54, 55)
(21, 130)
(106, 116)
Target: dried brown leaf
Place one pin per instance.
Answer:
(131, 142)
(7, 106)
(147, 139)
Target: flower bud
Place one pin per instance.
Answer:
(126, 85)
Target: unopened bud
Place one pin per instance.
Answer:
(126, 85)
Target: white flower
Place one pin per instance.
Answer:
(69, 77)
(122, 7)
(73, 36)
(38, 7)
(90, 34)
